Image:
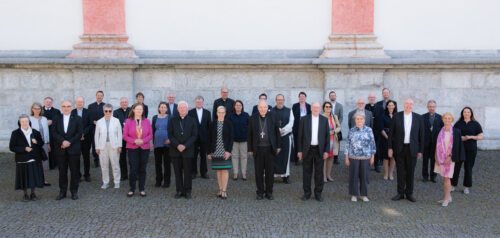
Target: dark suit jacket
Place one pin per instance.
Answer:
(176, 137)
(305, 135)
(272, 129)
(378, 116)
(86, 123)
(227, 136)
(431, 137)
(397, 134)
(204, 125)
(73, 135)
(458, 150)
(228, 104)
(296, 115)
(18, 144)
(368, 119)
(118, 113)
(50, 114)
(95, 113)
(174, 113)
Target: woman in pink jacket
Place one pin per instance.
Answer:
(137, 132)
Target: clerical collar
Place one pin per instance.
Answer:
(48, 108)
(262, 117)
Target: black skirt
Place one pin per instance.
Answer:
(29, 175)
(219, 163)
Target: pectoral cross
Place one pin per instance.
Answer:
(262, 134)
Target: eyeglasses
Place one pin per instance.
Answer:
(328, 107)
(107, 111)
(65, 106)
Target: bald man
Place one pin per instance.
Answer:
(67, 133)
(87, 138)
(406, 144)
(264, 143)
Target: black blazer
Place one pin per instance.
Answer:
(18, 144)
(121, 115)
(73, 135)
(296, 115)
(86, 123)
(227, 136)
(204, 125)
(397, 134)
(458, 150)
(431, 137)
(174, 113)
(51, 114)
(378, 116)
(95, 113)
(185, 135)
(305, 134)
(272, 128)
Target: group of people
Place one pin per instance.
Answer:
(307, 134)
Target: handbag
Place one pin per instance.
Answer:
(339, 136)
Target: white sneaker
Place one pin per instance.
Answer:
(354, 199)
(117, 185)
(452, 189)
(105, 186)
(466, 191)
(365, 199)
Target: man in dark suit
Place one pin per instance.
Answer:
(264, 143)
(182, 132)
(86, 140)
(406, 143)
(202, 117)
(313, 147)
(432, 124)
(300, 109)
(262, 96)
(225, 101)
(122, 114)
(50, 113)
(378, 117)
(360, 107)
(171, 105)
(67, 133)
(95, 113)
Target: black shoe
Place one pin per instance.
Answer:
(398, 197)
(193, 176)
(123, 178)
(425, 179)
(157, 184)
(377, 169)
(188, 196)
(33, 197)
(166, 185)
(260, 197)
(235, 178)
(26, 198)
(286, 180)
(96, 163)
(336, 161)
(130, 194)
(74, 196)
(178, 195)
(142, 193)
(205, 176)
(433, 180)
(411, 198)
(318, 198)
(61, 196)
(46, 184)
(269, 197)
(305, 197)
(87, 179)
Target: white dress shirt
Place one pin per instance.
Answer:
(408, 120)
(314, 130)
(66, 123)
(199, 112)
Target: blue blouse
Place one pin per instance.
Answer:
(360, 143)
(161, 133)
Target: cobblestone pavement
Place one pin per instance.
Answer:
(109, 213)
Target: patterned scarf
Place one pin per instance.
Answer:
(442, 152)
(138, 129)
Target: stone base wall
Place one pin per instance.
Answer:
(453, 86)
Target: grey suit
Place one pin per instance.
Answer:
(368, 119)
(339, 111)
